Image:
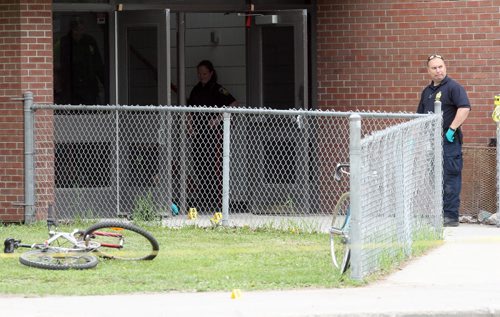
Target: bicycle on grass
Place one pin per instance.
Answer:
(339, 230)
(74, 250)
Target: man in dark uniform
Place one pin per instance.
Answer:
(456, 107)
(82, 68)
(207, 136)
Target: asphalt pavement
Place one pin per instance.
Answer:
(459, 278)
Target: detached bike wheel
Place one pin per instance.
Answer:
(122, 241)
(58, 260)
(339, 229)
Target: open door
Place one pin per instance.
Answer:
(144, 138)
(278, 79)
(278, 55)
(144, 57)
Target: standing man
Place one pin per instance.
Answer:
(82, 68)
(456, 108)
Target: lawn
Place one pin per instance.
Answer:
(191, 259)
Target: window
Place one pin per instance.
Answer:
(81, 54)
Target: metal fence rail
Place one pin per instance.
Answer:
(255, 166)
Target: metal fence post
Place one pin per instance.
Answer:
(355, 194)
(165, 173)
(117, 158)
(225, 168)
(402, 213)
(29, 152)
(438, 166)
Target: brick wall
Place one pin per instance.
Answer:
(25, 65)
(372, 55)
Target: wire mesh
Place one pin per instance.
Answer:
(398, 186)
(141, 162)
(479, 193)
(111, 163)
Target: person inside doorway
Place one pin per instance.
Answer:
(206, 131)
(82, 71)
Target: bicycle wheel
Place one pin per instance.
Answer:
(339, 229)
(341, 212)
(57, 260)
(122, 241)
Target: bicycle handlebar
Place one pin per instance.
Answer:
(10, 244)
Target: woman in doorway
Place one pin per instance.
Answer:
(206, 130)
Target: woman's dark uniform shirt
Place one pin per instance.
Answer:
(452, 96)
(210, 95)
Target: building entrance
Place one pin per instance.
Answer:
(149, 57)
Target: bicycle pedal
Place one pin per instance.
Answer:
(10, 244)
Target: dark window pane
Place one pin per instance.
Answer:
(81, 54)
(278, 67)
(142, 66)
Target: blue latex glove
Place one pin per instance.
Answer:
(175, 209)
(450, 135)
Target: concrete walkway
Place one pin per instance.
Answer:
(460, 278)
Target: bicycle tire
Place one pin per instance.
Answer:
(341, 212)
(123, 241)
(50, 259)
(346, 262)
(339, 247)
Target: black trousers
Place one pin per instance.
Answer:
(452, 177)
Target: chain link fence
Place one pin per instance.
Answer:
(479, 185)
(400, 192)
(258, 167)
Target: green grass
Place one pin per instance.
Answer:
(191, 259)
(394, 256)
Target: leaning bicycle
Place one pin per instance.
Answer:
(339, 230)
(76, 249)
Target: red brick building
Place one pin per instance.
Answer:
(372, 54)
(25, 65)
(361, 55)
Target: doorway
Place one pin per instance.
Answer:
(279, 80)
(264, 65)
(279, 62)
(144, 139)
(144, 57)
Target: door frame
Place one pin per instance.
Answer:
(161, 122)
(285, 194)
(159, 19)
(298, 20)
